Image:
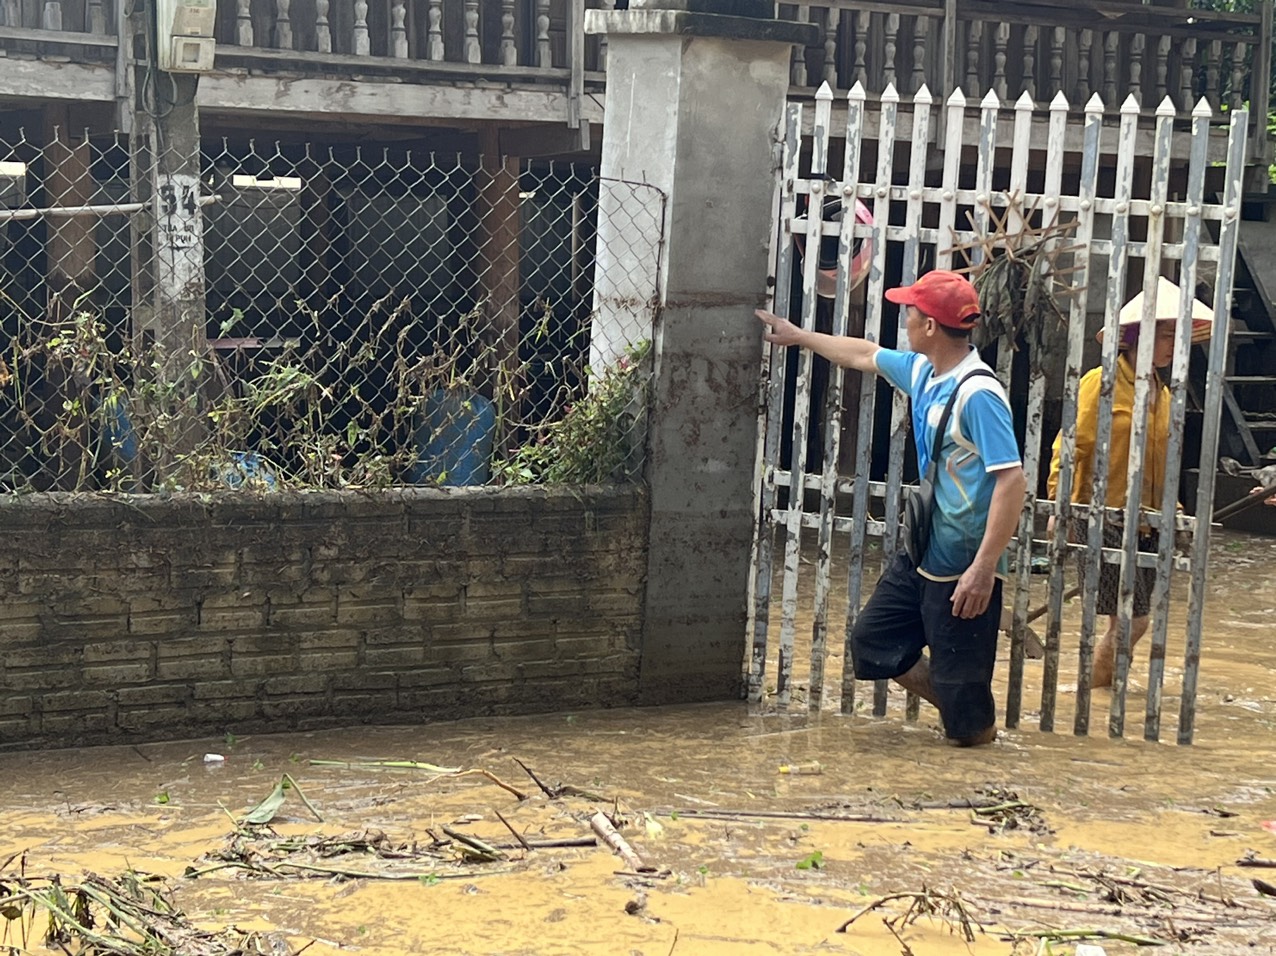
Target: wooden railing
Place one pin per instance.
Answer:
(60, 16)
(505, 34)
(1081, 48)
(1113, 48)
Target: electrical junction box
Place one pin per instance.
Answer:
(184, 35)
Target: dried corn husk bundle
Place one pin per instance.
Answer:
(1020, 274)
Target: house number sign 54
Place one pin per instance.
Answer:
(177, 221)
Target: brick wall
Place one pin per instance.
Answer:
(140, 619)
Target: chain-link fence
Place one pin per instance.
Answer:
(317, 316)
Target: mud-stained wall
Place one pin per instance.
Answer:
(156, 618)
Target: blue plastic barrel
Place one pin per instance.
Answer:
(246, 470)
(454, 434)
(117, 428)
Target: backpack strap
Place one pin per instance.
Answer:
(932, 470)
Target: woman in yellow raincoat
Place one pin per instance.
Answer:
(1168, 309)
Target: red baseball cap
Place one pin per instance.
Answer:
(947, 297)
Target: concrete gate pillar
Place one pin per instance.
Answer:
(695, 103)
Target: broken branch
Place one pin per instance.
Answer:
(611, 836)
(536, 780)
(517, 836)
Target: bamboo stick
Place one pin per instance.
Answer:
(611, 836)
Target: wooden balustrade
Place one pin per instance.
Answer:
(61, 16)
(517, 34)
(1115, 48)
(1111, 47)
(1150, 52)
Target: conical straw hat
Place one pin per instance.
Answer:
(1169, 305)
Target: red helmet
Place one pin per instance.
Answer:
(861, 250)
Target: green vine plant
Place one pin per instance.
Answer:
(340, 411)
(601, 435)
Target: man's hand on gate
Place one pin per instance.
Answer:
(973, 591)
(779, 331)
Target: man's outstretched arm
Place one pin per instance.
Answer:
(838, 349)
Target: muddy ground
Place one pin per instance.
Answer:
(1032, 845)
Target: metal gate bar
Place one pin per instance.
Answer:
(833, 415)
(1036, 397)
(868, 385)
(1087, 189)
(1146, 380)
(1214, 387)
(1178, 418)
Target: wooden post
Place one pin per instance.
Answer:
(472, 51)
(832, 20)
(973, 41)
(509, 50)
(797, 68)
(1137, 45)
(434, 31)
(323, 29)
(1213, 59)
(576, 44)
(859, 66)
(1260, 86)
(888, 55)
(1000, 39)
(544, 57)
(1030, 60)
(1187, 75)
(1238, 76)
(126, 28)
(283, 24)
(499, 221)
(1084, 46)
(398, 32)
(1162, 66)
(950, 48)
(920, 29)
(362, 45)
(243, 23)
(1111, 45)
(316, 189)
(68, 181)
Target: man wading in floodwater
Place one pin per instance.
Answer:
(951, 600)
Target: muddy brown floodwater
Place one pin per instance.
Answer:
(1075, 835)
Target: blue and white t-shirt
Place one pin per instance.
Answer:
(980, 441)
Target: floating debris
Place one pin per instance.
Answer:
(130, 915)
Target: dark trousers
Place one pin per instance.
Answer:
(909, 612)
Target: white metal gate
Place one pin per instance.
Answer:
(953, 218)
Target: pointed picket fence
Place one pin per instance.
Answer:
(928, 215)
